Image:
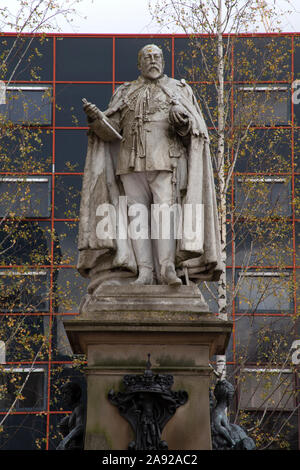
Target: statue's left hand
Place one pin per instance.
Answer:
(178, 116)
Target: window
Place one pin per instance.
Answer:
(61, 348)
(25, 242)
(69, 110)
(24, 432)
(261, 196)
(28, 105)
(260, 242)
(70, 150)
(27, 57)
(71, 287)
(26, 149)
(262, 106)
(93, 54)
(255, 57)
(264, 292)
(271, 388)
(263, 338)
(33, 391)
(195, 59)
(65, 243)
(24, 291)
(67, 196)
(265, 150)
(25, 196)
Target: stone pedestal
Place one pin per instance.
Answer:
(118, 328)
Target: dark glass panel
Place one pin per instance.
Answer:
(228, 244)
(61, 347)
(24, 290)
(207, 100)
(278, 429)
(28, 105)
(24, 432)
(210, 293)
(127, 56)
(296, 102)
(262, 58)
(297, 149)
(267, 196)
(70, 150)
(262, 106)
(297, 236)
(28, 150)
(84, 59)
(33, 391)
(270, 388)
(26, 58)
(263, 338)
(262, 243)
(265, 150)
(297, 195)
(297, 57)
(67, 196)
(229, 352)
(25, 196)
(59, 376)
(25, 336)
(69, 111)
(65, 243)
(264, 292)
(195, 59)
(70, 288)
(25, 243)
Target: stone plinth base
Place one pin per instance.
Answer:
(118, 329)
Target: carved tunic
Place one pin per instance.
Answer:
(140, 112)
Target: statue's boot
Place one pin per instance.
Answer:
(169, 275)
(144, 258)
(145, 276)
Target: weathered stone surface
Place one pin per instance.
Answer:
(137, 298)
(181, 340)
(160, 155)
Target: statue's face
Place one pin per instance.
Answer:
(151, 62)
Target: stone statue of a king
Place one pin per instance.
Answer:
(148, 155)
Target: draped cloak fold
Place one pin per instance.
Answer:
(199, 259)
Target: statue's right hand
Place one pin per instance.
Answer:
(91, 110)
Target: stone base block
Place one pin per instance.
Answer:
(116, 337)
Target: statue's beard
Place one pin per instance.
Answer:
(153, 71)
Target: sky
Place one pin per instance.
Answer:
(129, 16)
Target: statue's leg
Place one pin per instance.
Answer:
(164, 219)
(139, 201)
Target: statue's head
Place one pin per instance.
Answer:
(151, 62)
(224, 391)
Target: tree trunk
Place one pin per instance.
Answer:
(222, 294)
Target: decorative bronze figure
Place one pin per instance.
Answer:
(72, 426)
(148, 403)
(226, 436)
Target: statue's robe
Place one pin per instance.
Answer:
(103, 259)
